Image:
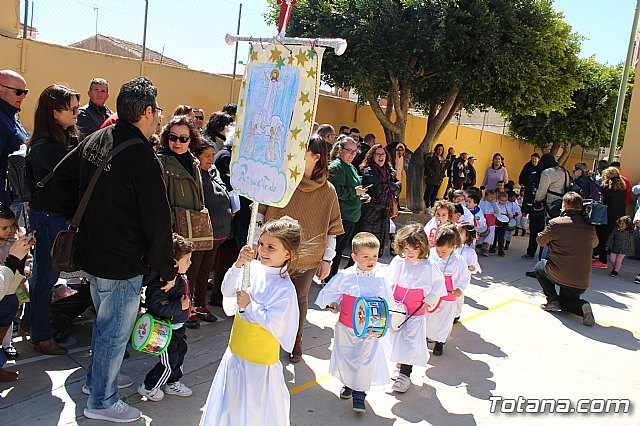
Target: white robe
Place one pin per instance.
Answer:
(357, 362)
(244, 393)
(408, 344)
(440, 322)
(471, 257)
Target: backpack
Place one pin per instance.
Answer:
(16, 174)
(593, 192)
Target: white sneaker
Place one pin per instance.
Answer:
(120, 412)
(154, 394)
(124, 381)
(637, 280)
(402, 384)
(177, 388)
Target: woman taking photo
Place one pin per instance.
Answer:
(314, 204)
(434, 170)
(497, 172)
(54, 133)
(351, 194)
(182, 171)
(614, 196)
(384, 187)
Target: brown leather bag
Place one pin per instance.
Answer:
(394, 208)
(195, 226)
(64, 246)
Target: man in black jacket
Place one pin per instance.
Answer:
(124, 234)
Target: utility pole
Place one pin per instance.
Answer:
(144, 36)
(26, 19)
(623, 86)
(235, 56)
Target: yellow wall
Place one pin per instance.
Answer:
(43, 64)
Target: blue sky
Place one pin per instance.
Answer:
(192, 31)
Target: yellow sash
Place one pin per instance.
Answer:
(253, 343)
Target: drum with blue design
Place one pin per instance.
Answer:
(370, 317)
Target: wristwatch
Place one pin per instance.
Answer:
(330, 262)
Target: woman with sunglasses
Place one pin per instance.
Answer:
(182, 170)
(54, 134)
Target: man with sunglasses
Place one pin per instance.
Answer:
(94, 113)
(13, 90)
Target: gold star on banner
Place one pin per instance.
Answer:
(294, 173)
(304, 97)
(244, 84)
(303, 146)
(302, 58)
(311, 54)
(254, 55)
(291, 59)
(275, 54)
(238, 134)
(241, 103)
(280, 63)
(311, 73)
(289, 157)
(295, 132)
(308, 116)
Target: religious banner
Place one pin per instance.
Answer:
(276, 110)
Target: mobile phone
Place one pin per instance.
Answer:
(31, 234)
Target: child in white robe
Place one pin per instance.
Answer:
(249, 387)
(467, 236)
(442, 213)
(453, 269)
(416, 284)
(490, 210)
(357, 362)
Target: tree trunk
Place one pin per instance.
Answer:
(438, 118)
(566, 153)
(555, 147)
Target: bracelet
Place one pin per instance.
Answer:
(330, 262)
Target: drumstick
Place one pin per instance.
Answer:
(412, 314)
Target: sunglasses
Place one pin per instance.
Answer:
(182, 139)
(74, 110)
(19, 92)
(199, 117)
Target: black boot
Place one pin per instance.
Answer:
(506, 245)
(438, 348)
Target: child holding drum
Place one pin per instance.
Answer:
(170, 302)
(357, 362)
(467, 236)
(417, 285)
(454, 270)
(249, 386)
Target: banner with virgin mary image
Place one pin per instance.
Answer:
(276, 110)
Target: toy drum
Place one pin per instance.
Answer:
(398, 315)
(502, 220)
(370, 316)
(513, 222)
(151, 335)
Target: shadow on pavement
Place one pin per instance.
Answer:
(433, 412)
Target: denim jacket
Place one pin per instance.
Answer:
(12, 135)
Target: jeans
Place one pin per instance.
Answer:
(536, 224)
(569, 297)
(342, 241)
(8, 309)
(117, 303)
(603, 232)
(47, 225)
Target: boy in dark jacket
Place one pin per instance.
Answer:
(170, 303)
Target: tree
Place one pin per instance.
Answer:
(589, 120)
(442, 55)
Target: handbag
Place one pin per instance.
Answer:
(393, 208)
(595, 213)
(195, 226)
(64, 246)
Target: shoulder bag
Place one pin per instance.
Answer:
(195, 225)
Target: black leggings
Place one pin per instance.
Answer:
(406, 369)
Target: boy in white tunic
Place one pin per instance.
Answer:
(416, 285)
(249, 387)
(454, 270)
(357, 362)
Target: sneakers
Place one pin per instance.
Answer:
(154, 394)
(530, 274)
(501, 253)
(120, 412)
(402, 384)
(192, 322)
(11, 352)
(587, 315)
(346, 392)
(597, 264)
(204, 314)
(527, 256)
(551, 307)
(177, 388)
(637, 280)
(437, 348)
(484, 253)
(124, 381)
(358, 402)
(614, 273)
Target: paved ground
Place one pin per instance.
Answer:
(504, 347)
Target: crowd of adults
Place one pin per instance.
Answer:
(350, 184)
